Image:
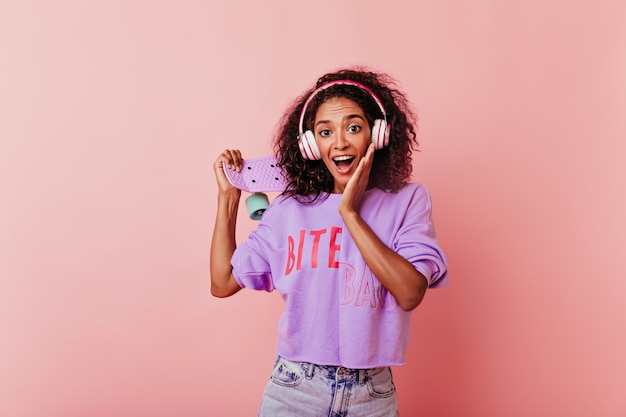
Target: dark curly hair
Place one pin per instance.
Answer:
(391, 167)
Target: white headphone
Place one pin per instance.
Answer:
(306, 140)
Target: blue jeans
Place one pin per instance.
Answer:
(303, 389)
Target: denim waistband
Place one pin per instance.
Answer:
(336, 372)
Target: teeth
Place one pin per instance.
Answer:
(342, 158)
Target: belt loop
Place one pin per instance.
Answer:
(362, 376)
(308, 369)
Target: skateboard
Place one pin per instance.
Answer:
(257, 176)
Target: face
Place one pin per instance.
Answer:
(343, 135)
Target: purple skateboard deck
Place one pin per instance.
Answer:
(257, 175)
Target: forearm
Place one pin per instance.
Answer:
(395, 273)
(223, 245)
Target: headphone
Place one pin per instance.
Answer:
(306, 140)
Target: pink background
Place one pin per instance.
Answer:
(112, 112)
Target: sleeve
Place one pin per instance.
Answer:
(416, 240)
(251, 267)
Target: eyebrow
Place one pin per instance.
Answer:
(348, 117)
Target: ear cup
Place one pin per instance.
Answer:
(380, 133)
(308, 146)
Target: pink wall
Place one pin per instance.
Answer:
(111, 114)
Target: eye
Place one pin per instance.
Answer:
(324, 132)
(354, 128)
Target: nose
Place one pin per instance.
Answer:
(340, 140)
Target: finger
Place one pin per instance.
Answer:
(232, 158)
(236, 159)
(365, 164)
(369, 154)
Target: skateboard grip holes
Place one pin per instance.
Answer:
(257, 175)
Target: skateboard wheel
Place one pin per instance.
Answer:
(256, 204)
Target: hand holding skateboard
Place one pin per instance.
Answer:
(257, 175)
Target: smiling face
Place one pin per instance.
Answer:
(343, 135)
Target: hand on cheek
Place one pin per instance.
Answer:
(353, 194)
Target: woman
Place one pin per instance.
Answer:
(349, 245)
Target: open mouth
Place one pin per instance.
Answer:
(343, 163)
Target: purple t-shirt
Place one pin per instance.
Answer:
(336, 311)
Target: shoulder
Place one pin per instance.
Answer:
(412, 198)
(282, 208)
(410, 191)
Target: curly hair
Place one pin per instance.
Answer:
(391, 167)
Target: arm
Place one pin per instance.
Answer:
(223, 244)
(395, 273)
